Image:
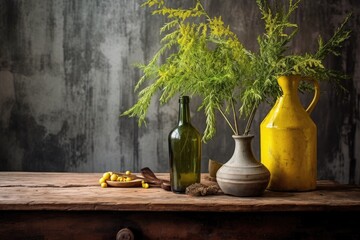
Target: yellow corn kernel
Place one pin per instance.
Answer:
(101, 180)
(114, 177)
(106, 175)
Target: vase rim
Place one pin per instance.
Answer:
(242, 136)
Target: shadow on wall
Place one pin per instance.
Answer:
(7, 102)
(24, 144)
(7, 94)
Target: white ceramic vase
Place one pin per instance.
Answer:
(243, 175)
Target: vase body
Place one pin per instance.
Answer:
(243, 175)
(288, 140)
(184, 151)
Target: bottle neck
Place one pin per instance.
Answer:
(184, 111)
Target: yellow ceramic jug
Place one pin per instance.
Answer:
(288, 140)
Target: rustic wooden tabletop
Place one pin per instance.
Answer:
(81, 191)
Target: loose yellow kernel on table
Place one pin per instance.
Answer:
(145, 185)
(103, 185)
(106, 175)
(101, 180)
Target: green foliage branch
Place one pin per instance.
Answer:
(206, 59)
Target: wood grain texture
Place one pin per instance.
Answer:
(81, 191)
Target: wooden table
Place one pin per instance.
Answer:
(74, 206)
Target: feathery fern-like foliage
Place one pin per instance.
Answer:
(271, 61)
(206, 59)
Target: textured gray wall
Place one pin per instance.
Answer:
(72, 64)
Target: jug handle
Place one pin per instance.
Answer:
(315, 99)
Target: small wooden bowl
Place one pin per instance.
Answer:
(132, 183)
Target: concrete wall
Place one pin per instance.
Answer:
(73, 74)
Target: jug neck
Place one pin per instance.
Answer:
(289, 84)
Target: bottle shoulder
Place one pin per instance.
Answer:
(184, 129)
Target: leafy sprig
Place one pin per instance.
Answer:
(271, 61)
(204, 57)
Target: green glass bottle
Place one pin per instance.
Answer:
(185, 151)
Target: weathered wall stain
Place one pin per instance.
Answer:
(73, 68)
